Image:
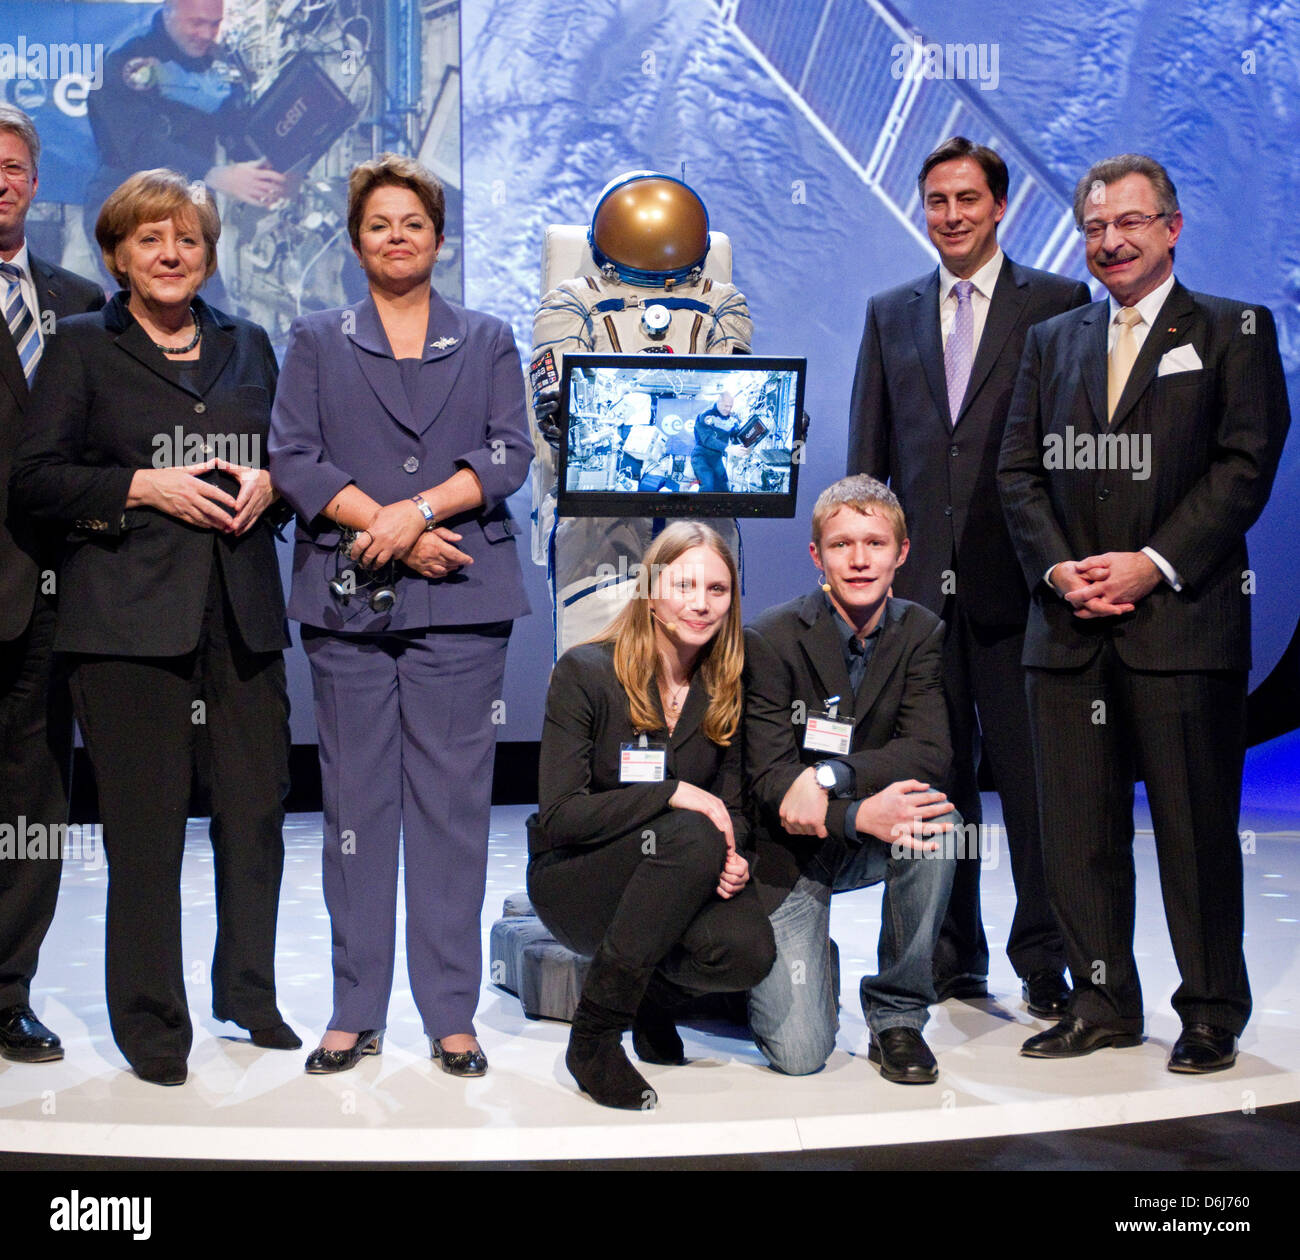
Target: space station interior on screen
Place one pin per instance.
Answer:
(658, 430)
(647, 277)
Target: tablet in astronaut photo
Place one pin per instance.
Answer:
(680, 435)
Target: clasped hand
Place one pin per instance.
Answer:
(181, 492)
(1106, 585)
(397, 532)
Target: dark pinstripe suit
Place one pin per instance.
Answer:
(35, 712)
(1159, 693)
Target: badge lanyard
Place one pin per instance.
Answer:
(642, 762)
(825, 731)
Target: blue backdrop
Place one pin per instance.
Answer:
(794, 121)
(792, 125)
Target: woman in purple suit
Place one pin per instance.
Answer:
(398, 433)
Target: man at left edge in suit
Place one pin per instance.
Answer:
(35, 712)
(934, 381)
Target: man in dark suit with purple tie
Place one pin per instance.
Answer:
(1141, 446)
(934, 380)
(35, 712)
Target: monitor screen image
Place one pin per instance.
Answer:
(680, 435)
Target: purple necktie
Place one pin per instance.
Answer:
(959, 351)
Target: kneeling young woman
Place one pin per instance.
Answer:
(637, 853)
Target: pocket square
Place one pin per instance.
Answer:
(1179, 359)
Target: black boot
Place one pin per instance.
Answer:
(654, 1031)
(611, 994)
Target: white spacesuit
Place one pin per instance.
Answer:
(647, 300)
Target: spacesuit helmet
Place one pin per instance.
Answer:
(649, 229)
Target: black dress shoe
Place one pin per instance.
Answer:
(1046, 994)
(902, 1056)
(964, 986)
(1072, 1037)
(1203, 1048)
(278, 1037)
(24, 1039)
(458, 1062)
(170, 1071)
(321, 1061)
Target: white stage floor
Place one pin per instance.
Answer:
(242, 1103)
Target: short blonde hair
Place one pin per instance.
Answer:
(149, 197)
(863, 494)
(392, 169)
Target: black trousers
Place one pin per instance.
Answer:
(984, 683)
(1095, 729)
(147, 722)
(35, 758)
(648, 897)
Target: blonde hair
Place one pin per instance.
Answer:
(150, 197)
(863, 494)
(721, 661)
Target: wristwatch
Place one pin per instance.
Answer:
(828, 776)
(430, 520)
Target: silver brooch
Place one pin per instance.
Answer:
(443, 342)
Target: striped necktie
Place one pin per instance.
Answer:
(22, 327)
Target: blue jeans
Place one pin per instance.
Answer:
(793, 1013)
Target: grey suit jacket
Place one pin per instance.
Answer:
(25, 549)
(900, 431)
(342, 416)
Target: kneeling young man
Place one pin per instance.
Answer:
(846, 732)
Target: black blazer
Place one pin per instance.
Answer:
(24, 548)
(580, 799)
(945, 478)
(134, 583)
(793, 662)
(1213, 438)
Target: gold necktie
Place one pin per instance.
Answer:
(1122, 357)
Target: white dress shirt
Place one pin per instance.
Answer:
(984, 280)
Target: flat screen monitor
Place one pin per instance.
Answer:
(680, 435)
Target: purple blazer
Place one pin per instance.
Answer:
(342, 415)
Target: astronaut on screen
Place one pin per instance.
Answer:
(650, 239)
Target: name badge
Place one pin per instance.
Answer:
(642, 762)
(827, 731)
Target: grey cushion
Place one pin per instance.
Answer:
(546, 977)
